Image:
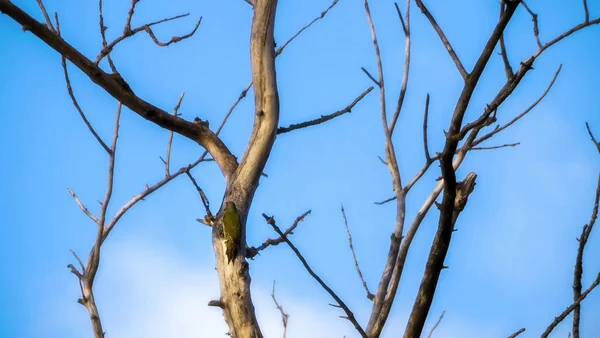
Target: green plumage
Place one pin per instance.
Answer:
(232, 230)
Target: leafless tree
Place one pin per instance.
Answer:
(242, 177)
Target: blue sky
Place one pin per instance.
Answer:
(510, 262)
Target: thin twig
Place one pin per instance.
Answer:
(571, 307)
(79, 110)
(284, 316)
(404, 26)
(278, 51)
(497, 147)
(103, 35)
(86, 281)
(425, 119)
(82, 206)
(324, 118)
(436, 325)
(525, 112)
(534, 19)
(442, 35)
(596, 143)
(507, 68)
(454, 192)
(174, 39)
(118, 88)
(340, 303)
(130, 15)
(360, 275)
(111, 167)
(128, 32)
(233, 106)
(78, 261)
(370, 76)
(587, 11)
(47, 17)
(483, 138)
(378, 313)
(407, 46)
(578, 269)
(282, 47)
(209, 216)
(514, 335)
(142, 195)
(253, 251)
(170, 141)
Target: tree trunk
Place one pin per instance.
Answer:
(234, 278)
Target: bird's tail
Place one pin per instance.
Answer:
(231, 251)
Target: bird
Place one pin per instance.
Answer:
(232, 230)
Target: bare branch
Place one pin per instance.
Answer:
(566, 34)
(578, 269)
(93, 262)
(571, 307)
(416, 178)
(103, 35)
(47, 17)
(407, 45)
(445, 41)
(82, 206)
(360, 275)
(79, 110)
(340, 303)
(170, 142)
(596, 143)
(128, 32)
(370, 76)
(324, 118)
(78, 261)
(404, 26)
(120, 90)
(436, 325)
(282, 47)
(111, 167)
(514, 335)
(278, 51)
(425, 142)
(378, 315)
(507, 68)
(142, 195)
(525, 112)
(387, 200)
(235, 104)
(437, 254)
(394, 266)
(130, 14)
(173, 39)
(209, 218)
(253, 251)
(496, 102)
(284, 316)
(587, 11)
(536, 30)
(497, 147)
(380, 81)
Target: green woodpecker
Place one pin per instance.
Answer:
(232, 230)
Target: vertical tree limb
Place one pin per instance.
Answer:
(234, 278)
(583, 239)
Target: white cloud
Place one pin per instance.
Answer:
(149, 292)
(146, 291)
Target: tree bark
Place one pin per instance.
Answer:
(234, 278)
